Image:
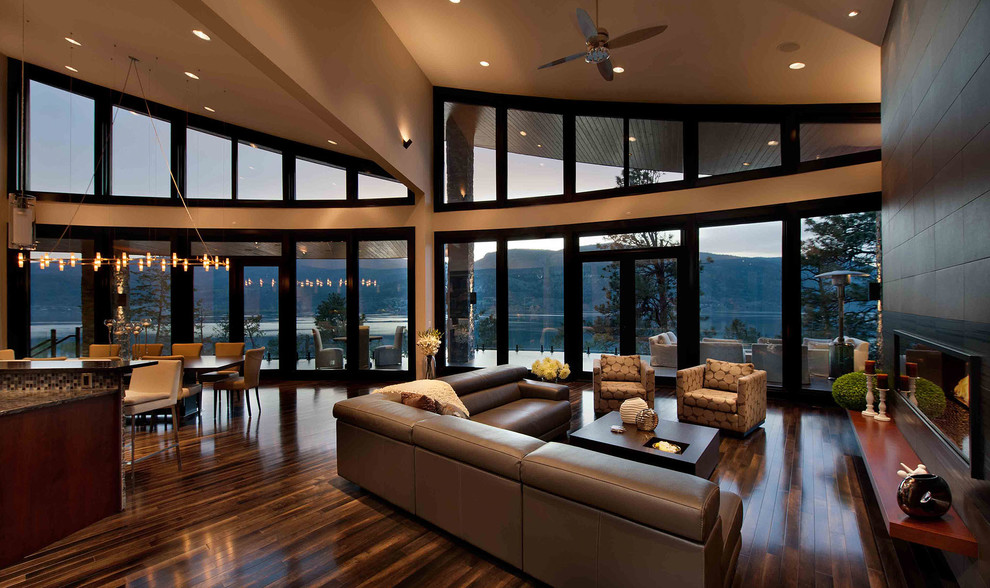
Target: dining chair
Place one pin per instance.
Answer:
(154, 387)
(188, 350)
(252, 373)
(101, 350)
(6, 354)
(189, 387)
(223, 349)
(141, 350)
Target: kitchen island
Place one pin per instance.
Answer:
(60, 449)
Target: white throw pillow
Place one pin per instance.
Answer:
(672, 336)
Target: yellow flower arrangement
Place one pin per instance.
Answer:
(429, 341)
(550, 370)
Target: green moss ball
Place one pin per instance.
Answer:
(849, 391)
(931, 398)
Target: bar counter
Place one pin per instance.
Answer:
(61, 435)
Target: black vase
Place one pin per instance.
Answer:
(924, 496)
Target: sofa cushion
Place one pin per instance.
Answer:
(724, 375)
(719, 400)
(672, 336)
(622, 390)
(472, 381)
(670, 501)
(621, 368)
(498, 451)
(380, 415)
(731, 511)
(489, 398)
(530, 416)
(661, 339)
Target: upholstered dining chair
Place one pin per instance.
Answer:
(189, 386)
(252, 374)
(617, 378)
(141, 350)
(728, 395)
(101, 350)
(224, 349)
(154, 387)
(390, 355)
(188, 350)
(7, 355)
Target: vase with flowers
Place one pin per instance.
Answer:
(550, 370)
(429, 343)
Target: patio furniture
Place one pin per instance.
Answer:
(663, 350)
(327, 357)
(390, 355)
(722, 349)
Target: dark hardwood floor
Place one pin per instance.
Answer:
(259, 502)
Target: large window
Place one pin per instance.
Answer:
(598, 150)
(211, 307)
(142, 148)
(740, 282)
(469, 297)
(656, 151)
(261, 311)
(469, 152)
(259, 173)
(842, 242)
(61, 296)
(208, 165)
(372, 187)
(821, 140)
(535, 154)
(536, 300)
(319, 181)
(321, 305)
(383, 287)
(144, 290)
(728, 147)
(61, 131)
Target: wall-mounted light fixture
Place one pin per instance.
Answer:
(406, 143)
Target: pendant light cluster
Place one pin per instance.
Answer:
(142, 262)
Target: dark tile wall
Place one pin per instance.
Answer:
(936, 214)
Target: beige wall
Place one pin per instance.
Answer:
(313, 48)
(856, 179)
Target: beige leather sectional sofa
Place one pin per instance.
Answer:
(564, 515)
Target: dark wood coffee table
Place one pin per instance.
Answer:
(700, 444)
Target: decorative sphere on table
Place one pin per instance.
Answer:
(630, 408)
(647, 420)
(924, 496)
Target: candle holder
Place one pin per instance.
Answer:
(912, 387)
(869, 412)
(882, 409)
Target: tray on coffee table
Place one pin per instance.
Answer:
(699, 444)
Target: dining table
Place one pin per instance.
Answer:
(205, 364)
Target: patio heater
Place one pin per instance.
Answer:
(840, 353)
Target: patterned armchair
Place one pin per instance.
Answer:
(730, 396)
(620, 377)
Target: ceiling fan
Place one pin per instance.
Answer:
(599, 47)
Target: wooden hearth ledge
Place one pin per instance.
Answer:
(884, 448)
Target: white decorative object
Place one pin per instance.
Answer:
(882, 409)
(869, 412)
(912, 387)
(921, 469)
(630, 408)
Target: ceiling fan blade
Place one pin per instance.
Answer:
(563, 60)
(635, 36)
(605, 68)
(588, 28)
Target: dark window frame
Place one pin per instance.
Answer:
(179, 120)
(788, 117)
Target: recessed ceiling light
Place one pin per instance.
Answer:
(745, 164)
(208, 109)
(796, 65)
(455, 1)
(538, 145)
(73, 41)
(632, 139)
(201, 34)
(72, 69)
(773, 143)
(331, 141)
(523, 133)
(484, 63)
(618, 69)
(192, 75)
(788, 47)
(853, 13)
